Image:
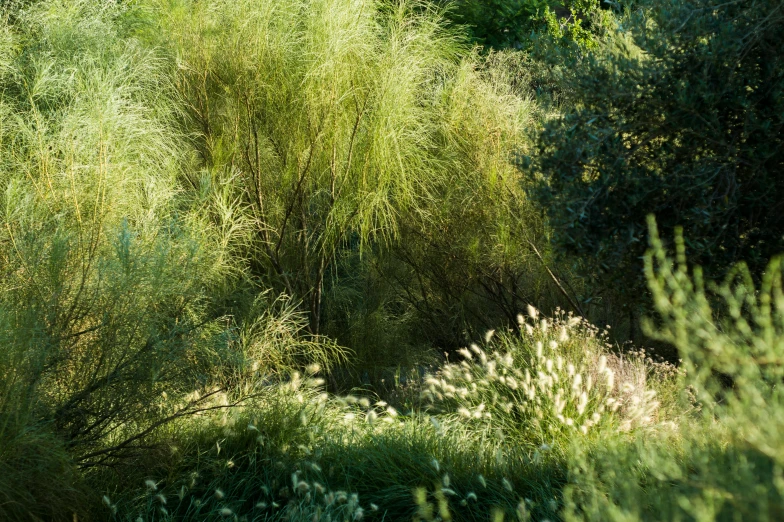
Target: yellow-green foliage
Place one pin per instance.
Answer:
(348, 128)
(322, 113)
(467, 262)
(112, 280)
(104, 279)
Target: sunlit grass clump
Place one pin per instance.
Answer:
(552, 382)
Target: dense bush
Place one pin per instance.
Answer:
(115, 288)
(99, 301)
(468, 261)
(370, 150)
(685, 122)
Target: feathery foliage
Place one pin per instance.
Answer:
(724, 462)
(113, 283)
(363, 139)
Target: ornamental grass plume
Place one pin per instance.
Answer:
(555, 381)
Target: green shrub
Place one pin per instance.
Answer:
(685, 122)
(183, 211)
(115, 286)
(360, 139)
(724, 460)
(321, 113)
(467, 260)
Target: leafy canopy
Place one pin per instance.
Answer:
(685, 122)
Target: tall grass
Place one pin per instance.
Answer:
(298, 453)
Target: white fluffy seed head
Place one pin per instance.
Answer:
(563, 336)
(602, 364)
(583, 403)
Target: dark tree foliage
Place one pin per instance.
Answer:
(688, 127)
(502, 24)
